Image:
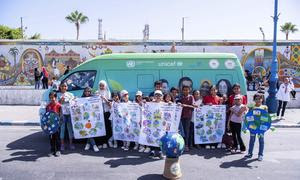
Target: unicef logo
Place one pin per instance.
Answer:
(130, 64)
(229, 64)
(214, 64)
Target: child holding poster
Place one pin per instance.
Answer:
(140, 101)
(64, 99)
(115, 99)
(197, 103)
(155, 151)
(54, 138)
(258, 98)
(125, 99)
(105, 95)
(90, 141)
(187, 102)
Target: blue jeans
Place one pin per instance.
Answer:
(261, 144)
(37, 84)
(91, 141)
(66, 122)
(180, 129)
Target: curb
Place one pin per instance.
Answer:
(19, 124)
(286, 125)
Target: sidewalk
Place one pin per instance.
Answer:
(29, 115)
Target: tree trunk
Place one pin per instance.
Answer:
(287, 36)
(15, 61)
(77, 30)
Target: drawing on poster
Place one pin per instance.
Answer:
(87, 117)
(209, 124)
(157, 119)
(126, 121)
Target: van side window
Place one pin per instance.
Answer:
(79, 80)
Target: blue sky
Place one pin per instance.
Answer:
(125, 19)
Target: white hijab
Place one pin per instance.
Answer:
(106, 91)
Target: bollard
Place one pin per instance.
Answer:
(172, 169)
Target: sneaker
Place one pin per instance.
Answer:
(57, 154)
(62, 147)
(100, 147)
(110, 144)
(104, 146)
(87, 146)
(160, 155)
(116, 145)
(243, 152)
(72, 147)
(123, 147)
(147, 150)
(219, 146)
(223, 146)
(207, 147)
(248, 156)
(142, 149)
(260, 158)
(126, 148)
(152, 154)
(95, 148)
(136, 147)
(213, 147)
(51, 154)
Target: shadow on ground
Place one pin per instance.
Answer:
(152, 177)
(36, 145)
(242, 163)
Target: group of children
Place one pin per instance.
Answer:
(236, 103)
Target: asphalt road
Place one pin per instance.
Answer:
(24, 149)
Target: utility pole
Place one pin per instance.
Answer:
(100, 29)
(22, 31)
(182, 29)
(271, 99)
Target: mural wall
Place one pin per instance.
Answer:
(19, 58)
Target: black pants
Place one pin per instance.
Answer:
(187, 128)
(236, 135)
(45, 83)
(108, 129)
(54, 142)
(283, 107)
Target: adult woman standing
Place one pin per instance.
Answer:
(283, 96)
(45, 77)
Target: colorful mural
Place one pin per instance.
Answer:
(19, 58)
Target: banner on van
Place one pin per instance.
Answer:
(209, 124)
(126, 121)
(87, 117)
(157, 119)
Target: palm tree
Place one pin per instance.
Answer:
(77, 18)
(14, 52)
(287, 28)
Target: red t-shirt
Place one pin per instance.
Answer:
(210, 99)
(56, 107)
(231, 100)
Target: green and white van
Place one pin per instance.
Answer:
(139, 71)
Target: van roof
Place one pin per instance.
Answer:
(166, 56)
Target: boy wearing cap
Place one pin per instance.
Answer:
(237, 112)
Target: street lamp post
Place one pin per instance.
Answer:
(271, 99)
(182, 29)
(262, 32)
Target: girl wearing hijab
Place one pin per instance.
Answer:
(105, 95)
(45, 77)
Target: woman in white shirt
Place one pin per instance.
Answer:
(283, 96)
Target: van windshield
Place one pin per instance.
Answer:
(79, 80)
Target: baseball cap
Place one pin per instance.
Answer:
(139, 93)
(123, 92)
(158, 92)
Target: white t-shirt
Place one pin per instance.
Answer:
(284, 90)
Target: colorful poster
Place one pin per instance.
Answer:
(126, 121)
(258, 121)
(209, 124)
(157, 118)
(50, 122)
(87, 117)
